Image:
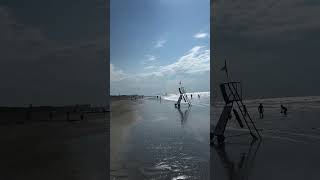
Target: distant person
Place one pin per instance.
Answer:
(191, 96)
(245, 110)
(199, 96)
(260, 109)
(157, 97)
(283, 110)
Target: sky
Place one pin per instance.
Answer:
(155, 44)
(53, 52)
(271, 46)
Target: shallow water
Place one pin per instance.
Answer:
(168, 143)
(289, 148)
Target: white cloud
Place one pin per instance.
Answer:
(149, 67)
(194, 64)
(196, 60)
(201, 35)
(116, 74)
(151, 58)
(160, 43)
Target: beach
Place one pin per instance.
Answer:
(56, 149)
(151, 139)
(288, 149)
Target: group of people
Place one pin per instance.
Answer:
(191, 96)
(261, 110)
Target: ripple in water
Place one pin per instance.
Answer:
(174, 168)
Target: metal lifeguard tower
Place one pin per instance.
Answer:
(183, 95)
(232, 95)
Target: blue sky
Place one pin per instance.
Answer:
(157, 43)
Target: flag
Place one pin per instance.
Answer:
(224, 68)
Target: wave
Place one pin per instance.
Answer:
(203, 100)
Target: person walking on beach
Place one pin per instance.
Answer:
(191, 96)
(283, 110)
(260, 109)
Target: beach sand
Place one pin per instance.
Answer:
(150, 139)
(289, 148)
(55, 149)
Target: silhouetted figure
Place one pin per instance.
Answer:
(191, 96)
(283, 110)
(199, 96)
(260, 109)
(157, 97)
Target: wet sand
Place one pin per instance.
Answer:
(55, 150)
(123, 115)
(289, 149)
(150, 139)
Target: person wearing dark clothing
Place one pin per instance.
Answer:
(191, 96)
(261, 110)
(199, 96)
(283, 110)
